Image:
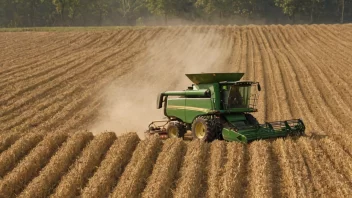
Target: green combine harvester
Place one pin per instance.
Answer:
(218, 106)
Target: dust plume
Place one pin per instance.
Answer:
(130, 104)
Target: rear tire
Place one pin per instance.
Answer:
(175, 130)
(204, 129)
(218, 128)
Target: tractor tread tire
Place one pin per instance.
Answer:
(181, 130)
(210, 128)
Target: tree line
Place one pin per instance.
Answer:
(30, 13)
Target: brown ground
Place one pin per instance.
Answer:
(66, 82)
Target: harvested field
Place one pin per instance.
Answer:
(111, 168)
(6, 140)
(29, 167)
(191, 172)
(17, 151)
(133, 179)
(230, 183)
(216, 168)
(165, 169)
(56, 85)
(42, 185)
(84, 167)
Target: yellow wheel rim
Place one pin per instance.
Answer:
(173, 132)
(199, 130)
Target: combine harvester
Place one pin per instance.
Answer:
(218, 106)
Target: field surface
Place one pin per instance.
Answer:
(57, 85)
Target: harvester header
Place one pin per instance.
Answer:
(218, 106)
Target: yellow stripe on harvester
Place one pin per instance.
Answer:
(189, 108)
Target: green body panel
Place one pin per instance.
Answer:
(237, 110)
(214, 93)
(235, 117)
(193, 106)
(233, 136)
(200, 92)
(197, 106)
(187, 109)
(175, 108)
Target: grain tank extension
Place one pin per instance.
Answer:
(218, 106)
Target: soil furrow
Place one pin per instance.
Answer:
(15, 181)
(312, 95)
(134, 178)
(111, 168)
(272, 108)
(37, 68)
(295, 98)
(23, 67)
(334, 71)
(327, 92)
(53, 84)
(52, 73)
(282, 85)
(85, 166)
(261, 115)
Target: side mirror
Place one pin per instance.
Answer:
(160, 100)
(259, 88)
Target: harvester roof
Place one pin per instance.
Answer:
(205, 78)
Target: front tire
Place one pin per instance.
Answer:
(204, 129)
(175, 130)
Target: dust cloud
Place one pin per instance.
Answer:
(130, 104)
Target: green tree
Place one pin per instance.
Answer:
(61, 6)
(92, 12)
(73, 9)
(32, 7)
(162, 7)
(85, 10)
(293, 7)
(100, 8)
(131, 10)
(227, 8)
(215, 6)
(314, 8)
(342, 4)
(289, 7)
(12, 12)
(130, 7)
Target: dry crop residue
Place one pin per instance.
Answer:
(56, 85)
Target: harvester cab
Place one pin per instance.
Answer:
(218, 106)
